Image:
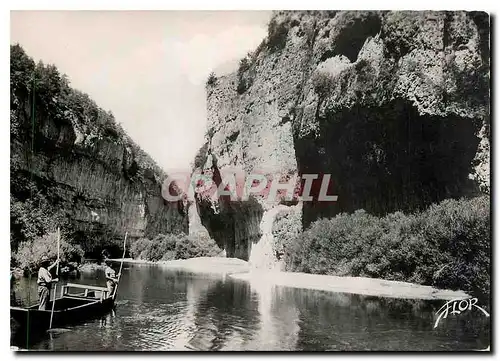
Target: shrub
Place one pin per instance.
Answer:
(201, 156)
(286, 226)
(244, 81)
(242, 86)
(323, 83)
(446, 246)
(31, 214)
(212, 80)
(462, 231)
(169, 247)
(329, 243)
(277, 34)
(198, 245)
(244, 65)
(30, 253)
(160, 245)
(138, 248)
(153, 250)
(27, 221)
(259, 50)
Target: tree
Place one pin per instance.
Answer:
(212, 80)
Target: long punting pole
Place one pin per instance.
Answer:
(121, 265)
(57, 274)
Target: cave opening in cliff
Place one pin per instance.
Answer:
(389, 158)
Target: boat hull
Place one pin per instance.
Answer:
(68, 310)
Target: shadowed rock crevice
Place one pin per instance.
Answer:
(482, 21)
(353, 36)
(389, 158)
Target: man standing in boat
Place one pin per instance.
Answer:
(45, 281)
(111, 279)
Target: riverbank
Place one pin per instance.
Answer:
(239, 269)
(357, 285)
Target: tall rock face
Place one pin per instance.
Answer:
(394, 105)
(73, 166)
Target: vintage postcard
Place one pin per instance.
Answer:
(250, 181)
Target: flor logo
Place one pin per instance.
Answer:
(456, 307)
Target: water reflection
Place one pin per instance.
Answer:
(159, 309)
(334, 321)
(226, 317)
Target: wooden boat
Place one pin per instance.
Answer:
(86, 303)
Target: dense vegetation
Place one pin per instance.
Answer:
(244, 82)
(277, 35)
(201, 156)
(30, 253)
(446, 246)
(170, 247)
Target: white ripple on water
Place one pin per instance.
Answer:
(157, 326)
(165, 326)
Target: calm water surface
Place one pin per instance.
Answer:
(160, 309)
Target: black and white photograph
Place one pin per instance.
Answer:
(250, 180)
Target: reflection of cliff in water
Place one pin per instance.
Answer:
(164, 309)
(354, 322)
(234, 315)
(226, 317)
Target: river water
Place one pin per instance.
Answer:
(160, 309)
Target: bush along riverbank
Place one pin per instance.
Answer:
(174, 246)
(160, 248)
(29, 254)
(446, 246)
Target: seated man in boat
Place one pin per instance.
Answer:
(45, 281)
(111, 279)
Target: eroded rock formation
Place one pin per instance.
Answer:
(73, 166)
(395, 105)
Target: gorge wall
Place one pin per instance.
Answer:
(395, 105)
(73, 166)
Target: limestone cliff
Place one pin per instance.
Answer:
(73, 166)
(395, 105)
